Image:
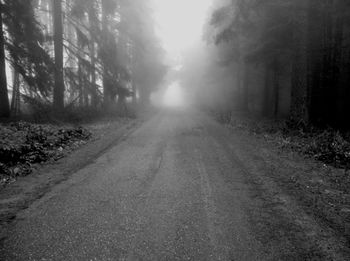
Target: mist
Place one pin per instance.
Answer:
(174, 130)
(263, 59)
(279, 60)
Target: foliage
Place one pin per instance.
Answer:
(329, 146)
(23, 144)
(302, 46)
(103, 51)
(25, 45)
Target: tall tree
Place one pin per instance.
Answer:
(300, 93)
(93, 25)
(4, 99)
(58, 97)
(106, 51)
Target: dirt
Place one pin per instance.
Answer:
(179, 187)
(21, 193)
(298, 198)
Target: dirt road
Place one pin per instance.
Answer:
(180, 187)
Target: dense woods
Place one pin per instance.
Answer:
(174, 130)
(280, 58)
(276, 58)
(57, 55)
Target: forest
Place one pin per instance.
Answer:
(282, 60)
(277, 59)
(175, 130)
(57, 56)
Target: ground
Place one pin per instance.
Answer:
(179, 186)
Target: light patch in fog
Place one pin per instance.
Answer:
(174, 96)
(180, 22)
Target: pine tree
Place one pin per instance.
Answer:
(58, 97)
(4, 99)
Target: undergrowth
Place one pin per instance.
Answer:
(329, 146)
(23, 144)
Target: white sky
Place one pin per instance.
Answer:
(180, 23)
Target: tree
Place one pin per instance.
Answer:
(300, 93)
(4, 100)
(91, 45)
(93, 24)
(25, 48)
(268, 37)
(107, 51)
(58, 97)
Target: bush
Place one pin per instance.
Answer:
(329, 146)
(23, 144)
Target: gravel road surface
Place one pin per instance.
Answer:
(176, 188)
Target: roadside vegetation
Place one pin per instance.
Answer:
(23, 144)
(315, 163)
(67, 55)
(328, 145)
(277, 59)
(278, 72)
(70, 63)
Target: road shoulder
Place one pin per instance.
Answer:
(296, 207)
(21, 194)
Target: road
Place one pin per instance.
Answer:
(175, 189)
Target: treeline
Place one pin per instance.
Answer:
(77, 53)
(289, 57)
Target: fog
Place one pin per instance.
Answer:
(277, 59)
(199, 72)
(174, 130)
(180, 26)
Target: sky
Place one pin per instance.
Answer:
(180, 24)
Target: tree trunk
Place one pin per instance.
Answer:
(94, 93)
(329, 92)
(341, 97)
(46, 14)
(58, 96)
(245, 88)
(276, 88)
(16, 95)
(81, 86)
(134, 92)
(80, 83)
(266, 102)
(92, 24)
(4, 99)
(299, 112)
(107, 99)
(314, 61)
(299, 109)
(123, 109)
